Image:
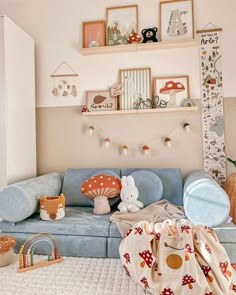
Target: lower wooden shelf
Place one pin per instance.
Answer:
(141, 111)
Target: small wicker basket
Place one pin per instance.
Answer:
(7, 255)
(52, 207)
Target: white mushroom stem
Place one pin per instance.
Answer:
(146, 152)
(107, 143)
(187, 128)
(168, 144)
(172, 94)
(125, 152)
(101, 205)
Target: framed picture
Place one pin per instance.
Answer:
(173, 90)
(121, 21)
(176, 20)
(100, 100)
(94, 33)
(136, 88)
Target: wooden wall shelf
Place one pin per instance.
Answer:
(138, 47)
(141, 111)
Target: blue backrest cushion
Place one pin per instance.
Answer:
(75, 177)
(172, 181)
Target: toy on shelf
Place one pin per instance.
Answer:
(26, 252)
(7, 255)
(149, 35)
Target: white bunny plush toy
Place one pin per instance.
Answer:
(129, 196)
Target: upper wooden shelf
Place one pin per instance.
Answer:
(141, 111)
(139, 47)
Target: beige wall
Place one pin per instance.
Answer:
(64, 141)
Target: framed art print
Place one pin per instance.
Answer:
(100, 100)
(172, 90)
(94, 33)
(136, 88)
(121, 21)
(176, 20)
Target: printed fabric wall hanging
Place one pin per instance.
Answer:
(212, 103)
(64, 80)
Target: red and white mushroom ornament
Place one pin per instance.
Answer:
(171, 88)
(134, 38)
(146, 149)
(107, 142)
(101, 188)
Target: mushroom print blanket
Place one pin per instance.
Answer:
(175, 257)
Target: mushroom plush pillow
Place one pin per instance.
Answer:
(100, 188)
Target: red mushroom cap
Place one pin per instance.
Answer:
(107, 139)
(167, 139)
(188, 248)
(134, 37)
(187, 279)
(125, 147)
(206, 269)
(172, 86)
(101, 185)
(146, 148)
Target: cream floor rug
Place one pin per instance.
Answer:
(73, 276)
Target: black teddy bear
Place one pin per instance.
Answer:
(149, 35)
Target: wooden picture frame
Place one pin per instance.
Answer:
(94, 33)
(176, 20)
(100, 100)
(136, 88)
(121, 21)
(173, 90)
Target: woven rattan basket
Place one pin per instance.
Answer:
(230, 188)
(7, 254)
(52, 207)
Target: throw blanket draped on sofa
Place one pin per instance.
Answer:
(174, 256)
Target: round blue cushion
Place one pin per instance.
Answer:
(205, 202)
(149, 185)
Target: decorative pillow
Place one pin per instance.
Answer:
(52, 207)
(100, 188)
(149, 185)
(205, 202)
(20, 200)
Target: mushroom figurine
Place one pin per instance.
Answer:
(187, 127)
(134, 38)
(171, 88)
(188, 280)
(168, 142)
(146, 149)
(100, 188)
(125, 149)
(107, 142)
(91, 130)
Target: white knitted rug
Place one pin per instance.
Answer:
(73, 276)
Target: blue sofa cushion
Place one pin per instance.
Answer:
(149, 185)
(73, 180)
(20, 200)
(78, 221)
(171, 179)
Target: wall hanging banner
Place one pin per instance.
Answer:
(212, 104)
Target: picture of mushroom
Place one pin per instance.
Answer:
(188, 250)
(107, 142)
(206, 269)
(172, 88)
(208, 248)
(188, 280)
(167, 291)
(138, 230)
(167, 141)
(147, 258)
(145, 282)
(209, 293)
(125, 149)
(101, 188)
(234, 287)
(134, 38)
(127, 257)
(187, 127)
(146, 149)
(91, 130)
(223, 267)
(128, 232)
(185, 228)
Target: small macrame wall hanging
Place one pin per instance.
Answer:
(64, 80)
(212, 103)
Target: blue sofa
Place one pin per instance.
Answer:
(80, 232)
